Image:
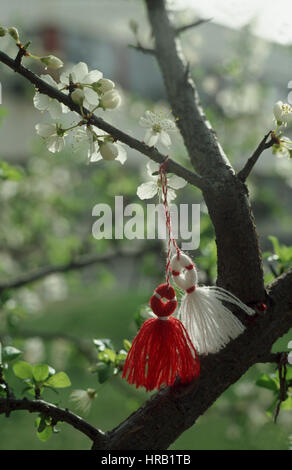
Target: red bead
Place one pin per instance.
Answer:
(261, 307)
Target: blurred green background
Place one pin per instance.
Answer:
(46, 218)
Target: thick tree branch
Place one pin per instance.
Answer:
(79, 263)
(225, 195)
(150, 152)
(57, 414)
(263, 145)
(173, 410)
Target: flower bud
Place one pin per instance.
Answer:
(13, 33)
(105, 85)
(108, 150)
(78, 96)
(52, 62)
(111, 99)
(3, 31)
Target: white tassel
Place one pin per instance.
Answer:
(209, 323)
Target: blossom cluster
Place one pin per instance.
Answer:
(91, 91)
(283, 116)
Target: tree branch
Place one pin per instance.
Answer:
(57, 414)
(263, 145)
(79, 263)
(145, 50)
(150, 152)
(194, 24)
(226, 196)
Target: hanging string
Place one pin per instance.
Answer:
(171, 239)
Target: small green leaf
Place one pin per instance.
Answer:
(287, 404)
(40, 372)
(59, 380)
(127, 345)
(265, 381)
(45, 434)
(40, 423)
(23, 370)
(110, 354)
(9, 353)
(9, 172)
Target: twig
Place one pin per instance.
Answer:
(194, 24)
(282, 370)
(150, 152)
(243, 174)
(145, 50)
(57, 414)
(80, 263)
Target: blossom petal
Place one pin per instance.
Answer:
(95, 157)
(168, 125)
(79, 71)
(175, 182)
(122, 156)
(144, 122)
(55, 109)
(152, 167)
(171, 195)
(165, 139)
(147, 190)
(41, 101)
(45, 130)
(91, 96)
(278, 110)
(92, 77)
(151, 138)
(55, 143)
(49, 80)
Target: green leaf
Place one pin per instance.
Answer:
(110, 354)
(265, 381)
(287, 404)
(9, 353)
(104, 372)
(40, 423)
(59, 380)
(45, 434)
(40, 372)
(9, 172)
(127, 345)
(23, 370)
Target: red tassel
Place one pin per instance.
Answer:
(162, 350)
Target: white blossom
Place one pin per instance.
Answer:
(53, 135)
(157, 127)
(284, 148)
(80, 75)
(283, 112)
(83, 399)
(153, 187)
